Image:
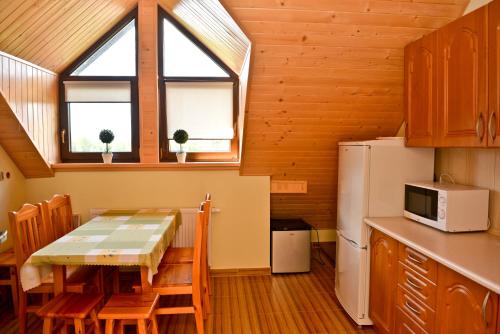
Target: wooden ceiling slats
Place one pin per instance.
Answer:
(53, 33)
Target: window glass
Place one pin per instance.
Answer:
(115, 58)
(182, 58)
(197, 146)
(88, 119)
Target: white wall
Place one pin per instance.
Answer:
(12, 192)
(240, 236)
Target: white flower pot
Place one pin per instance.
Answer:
(107, 157)
(181, 157)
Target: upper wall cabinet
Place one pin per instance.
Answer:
(420, 91)
(446, 83)
(494, 72)
(462, 81)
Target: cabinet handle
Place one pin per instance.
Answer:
(485, 304)
(480, 127)
(414, 259)
(411, 308)
(413, 284)
(63, 136)
(492, 126)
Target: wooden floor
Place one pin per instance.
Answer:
(293, 303)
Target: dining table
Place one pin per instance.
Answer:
(113, 238)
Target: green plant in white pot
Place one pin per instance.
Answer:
(107, 137)
(181, 137)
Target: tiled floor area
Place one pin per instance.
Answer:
(294, 303)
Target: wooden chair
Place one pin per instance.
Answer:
(175, 255)
(8, 261)
(137, 309)
(184, 279)
(58, 216)
(29, 235)
(73, 308)
(181, 255)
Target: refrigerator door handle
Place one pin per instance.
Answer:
(354, 243)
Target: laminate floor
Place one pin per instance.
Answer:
(291, 303)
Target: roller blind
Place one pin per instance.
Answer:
(203, 109)
(97, 91)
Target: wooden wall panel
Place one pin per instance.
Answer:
(324, 71)
(53, 33)
(31, 92)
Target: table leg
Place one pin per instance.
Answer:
(59, 273)
(146, 287)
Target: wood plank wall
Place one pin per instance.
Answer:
(324, 71)
(32, 93)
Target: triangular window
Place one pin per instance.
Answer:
(183, 58)
(115, 58)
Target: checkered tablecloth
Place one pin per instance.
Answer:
(114, 238)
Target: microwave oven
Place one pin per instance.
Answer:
(447, 207)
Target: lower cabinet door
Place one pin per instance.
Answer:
(464, 306)
(405, 325)
(383, 280)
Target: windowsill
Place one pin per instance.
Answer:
(188, 166)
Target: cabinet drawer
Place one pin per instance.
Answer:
(416, 310)
(416, 284)
(418, 262)
(405, 325)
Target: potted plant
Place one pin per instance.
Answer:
(181, 137)
(107, 137)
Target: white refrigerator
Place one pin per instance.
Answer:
(371, 178)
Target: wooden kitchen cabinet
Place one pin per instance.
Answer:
(464, 306)
(420, 91)
(462, 110)
(383, 276)
(494, 72)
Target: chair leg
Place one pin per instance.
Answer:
(207, 308)
(116, 280)
(154, 325)
(13, 287)
(79, 326)
(93, 316)
(48, 324)
(141, 326)
(23, 309)
(198, 316)
(109, 326)
(121, 327)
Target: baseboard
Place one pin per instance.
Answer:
(240, 272)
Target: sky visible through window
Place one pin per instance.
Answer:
(115, 58)
(182, 58)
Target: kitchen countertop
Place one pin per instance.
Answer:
(475, 255)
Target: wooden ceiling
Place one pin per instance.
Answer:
(322, 71)
(53, 33)
(325, 71)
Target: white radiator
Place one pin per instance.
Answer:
(184, 237)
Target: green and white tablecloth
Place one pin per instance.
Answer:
(114, 238)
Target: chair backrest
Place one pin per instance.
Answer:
(198, 246)
(207, 207)
(28, 232)
(58, 216)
